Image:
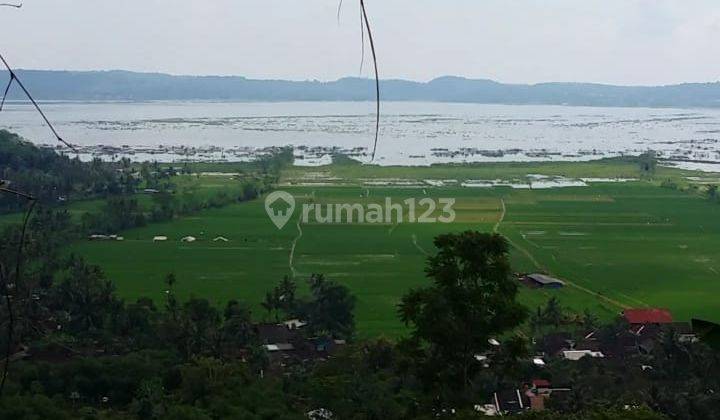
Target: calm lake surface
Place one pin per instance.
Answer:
(412, 133)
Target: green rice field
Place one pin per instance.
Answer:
(617, 245)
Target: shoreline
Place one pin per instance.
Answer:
(323, 156)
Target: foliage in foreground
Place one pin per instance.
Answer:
(96, 356)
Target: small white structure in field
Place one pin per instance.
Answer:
(119, 238)
(189, 239)
(221, 239)
(160, 239)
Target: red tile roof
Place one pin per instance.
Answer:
(541, 383)
(648, 316)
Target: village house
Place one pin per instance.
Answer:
(286, 344)
(542, 281)
(576, 355)
(636, 317)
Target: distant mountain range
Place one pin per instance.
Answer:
(130, 86)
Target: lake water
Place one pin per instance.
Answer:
(411, 134)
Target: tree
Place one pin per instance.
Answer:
(136, 321)
(146, 175)
(164, 206)
(271, 304)
(712, 192)
(598, 414)
(359, 383)
(171, 304)
(648, 163)
(148, 403)
(471, 300)
(286, 291)
(85, 295)
(331, 309)
(32, 407)
(553, 313)
(200, 324)
(281, 299)
(507, 361)
(590, 321)
(237, 328)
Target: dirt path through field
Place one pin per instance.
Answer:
(417, 245)
(537, 265)
(292, 249)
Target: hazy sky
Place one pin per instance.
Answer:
(607, 41)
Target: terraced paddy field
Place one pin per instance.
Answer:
(628, 244)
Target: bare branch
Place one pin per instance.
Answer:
(18, 271)
(17, 6)
(377, 76)
(13, 77)
(16, 193)
(362, 42)
(7, 89)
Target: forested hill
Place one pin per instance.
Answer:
(123, 85)
(48, 175)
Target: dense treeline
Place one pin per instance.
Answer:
(53, 179)
(50, 176)
(94, 355)
(648, 163)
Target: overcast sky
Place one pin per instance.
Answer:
(525, 41)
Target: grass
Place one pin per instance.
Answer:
(615, 167)
(636, 244)
(617, 245)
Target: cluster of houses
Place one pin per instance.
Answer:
(640, 337)
(287, 344)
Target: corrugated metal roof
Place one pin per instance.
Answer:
(279, 347)
(579, 354)
(543, 279)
